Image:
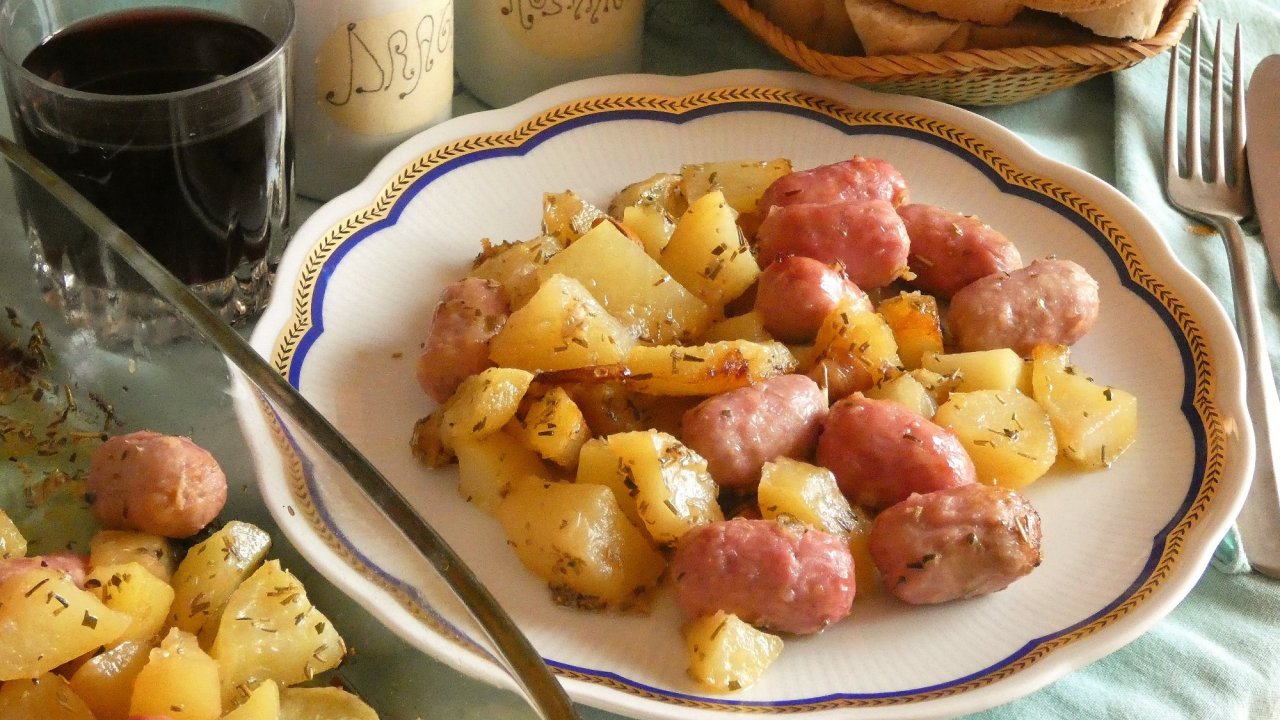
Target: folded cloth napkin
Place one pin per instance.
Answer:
(1140, 94)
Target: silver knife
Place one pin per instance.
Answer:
(1259, 520)
(1263, 150)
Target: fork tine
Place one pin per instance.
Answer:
(1217, 171)
(1171, 120)
(1239, 133)
(1194, 170)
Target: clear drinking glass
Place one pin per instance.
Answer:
(171, 116)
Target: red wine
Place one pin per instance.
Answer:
(203, 198)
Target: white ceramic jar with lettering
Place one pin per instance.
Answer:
(511, 49)
(368, 75)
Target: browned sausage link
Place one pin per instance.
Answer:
(865, 236)
(881, 452)
(795, 294)
(858, 178)
(955, 543)
(741, 430)
(787, 578)
(950, 250)
(1049, 302)
(470, 312)
(161, 484)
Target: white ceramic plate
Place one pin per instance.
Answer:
(359, 281)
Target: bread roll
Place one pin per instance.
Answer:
(1031, 28)
(1136, 19)
(987, 12)
(1064, 6)
(887, 28)
(821, 24)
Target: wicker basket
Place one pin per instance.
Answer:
(973, 77)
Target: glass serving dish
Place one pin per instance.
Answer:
(74, 372)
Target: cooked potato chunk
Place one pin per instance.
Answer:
(555, 428)
(652, 225)
(561, 326)
(484, 403)
(71, 621)
(795, 491)
(48, 697)
(567, 217)
(116, 547)
(427, 443)
(656, 479)
(998, 369)
(632, 286)
(576, 538)
(1094, 423)
(916, 325)
(741, 181)
(708, 254)
(747, 326)
(132, 589)
(323, 703)
(515, 267)
(270, 630)
(105, 681)
(854, 349)
(12, 543)
(906, 390)
(487, 467)
(726, 654)
(179, 681)
(263, 703)
(210, 572)
(1007, 434)
(662, 190)
(707, 369)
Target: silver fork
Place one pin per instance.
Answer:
(1223, 199)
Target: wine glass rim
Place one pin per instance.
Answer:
(280, 45)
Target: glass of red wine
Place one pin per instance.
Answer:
(172, 117)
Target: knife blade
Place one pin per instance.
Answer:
(1263, 152)
(1259, 519)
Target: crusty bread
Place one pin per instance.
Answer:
(1065, 6)
(887, 28)
(1031, 28)
(987, 12)
(1136, 19)
(821, 24)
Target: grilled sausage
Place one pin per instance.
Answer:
(881, 452)
(70, 564)
(950, 250)
(1049, 302)
(470, 312)
(788, 578)
(741, 430)
(858, 178)
(795, 294)
(865, 236)
(161, 484)
(955, 543)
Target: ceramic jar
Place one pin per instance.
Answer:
(369, 74)
(511, 49)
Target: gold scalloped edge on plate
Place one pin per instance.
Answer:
(1203, 396)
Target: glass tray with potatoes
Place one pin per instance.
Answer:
(965, 51)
